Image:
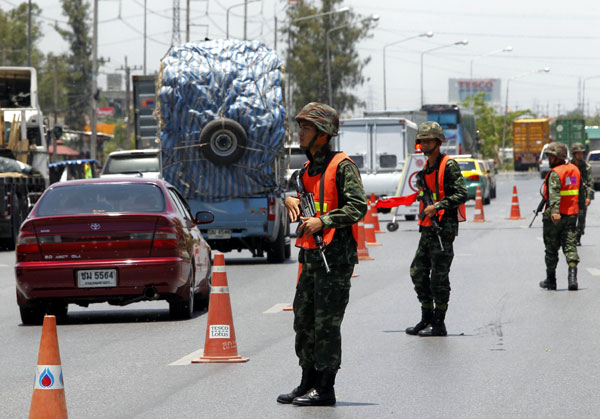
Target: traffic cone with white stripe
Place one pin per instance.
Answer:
(373, 210)
(370, 230)
(48, 400)
(363, 252)
(479, 217)
(220, 344)
(515, 212)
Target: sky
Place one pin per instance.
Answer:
(562, 36)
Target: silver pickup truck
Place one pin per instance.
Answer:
(594, 161)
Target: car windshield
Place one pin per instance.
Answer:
(132, 163)
(101, 198)
(466, 165)
(595, 157)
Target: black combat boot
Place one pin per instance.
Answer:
(573, 278)
(426, 317)
(437, 327)
(550, 282)
(323, 394)
(309, 378)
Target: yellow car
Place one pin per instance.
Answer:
(475, 175)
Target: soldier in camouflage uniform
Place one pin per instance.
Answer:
(431, 265)
(562, 188)
(577, 150)
(321, 297)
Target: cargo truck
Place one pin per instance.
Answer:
(569, 131)
(529, 138)
(23, 150)
(222, 132)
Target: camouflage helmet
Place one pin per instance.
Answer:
(430, 129)
(324, 117)
(575, 147)
(557, 149)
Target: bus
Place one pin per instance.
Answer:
(458, 125)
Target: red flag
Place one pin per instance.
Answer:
(396, 201)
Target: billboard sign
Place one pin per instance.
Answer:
(460, 89)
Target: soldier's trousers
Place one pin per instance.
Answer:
(319, 307)
(430, 267)
(581, 221)
(562, 234)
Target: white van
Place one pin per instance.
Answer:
(544, 164)
(143, 163)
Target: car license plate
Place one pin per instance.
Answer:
(97, 278)
(218, 233)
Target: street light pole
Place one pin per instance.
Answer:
(463, 42)
(428, 35)
(505, 49)
(374, 18)
(245, 4)
(583, 93)
(540, 70)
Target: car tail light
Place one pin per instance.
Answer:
(27, 246)
(271, 213)
(165, 242)
(474, 178)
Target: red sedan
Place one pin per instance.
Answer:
(116, 240)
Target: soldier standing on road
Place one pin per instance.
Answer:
(431, 265)
(562, 188)
(321, 297)
(577, 150)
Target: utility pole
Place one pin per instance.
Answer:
(55, 90)
(93, 117)
(144, 37)
(128, 70)
(245, 19)
(187, 22)
(275, 36)
(176, 36)
(29, 34)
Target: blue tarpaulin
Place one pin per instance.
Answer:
(198, 83)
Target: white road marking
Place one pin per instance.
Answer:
(187, 360)
(5, 266)
(593, 271)
(277, 308)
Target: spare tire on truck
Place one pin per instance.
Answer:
(223, 141)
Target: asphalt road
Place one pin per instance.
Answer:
(513, 350)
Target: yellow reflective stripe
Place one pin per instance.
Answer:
(318, 206)
(434, 196)
(569, 192)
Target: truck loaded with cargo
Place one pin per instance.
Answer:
(529, 138)
(23, 150)
(222, 132)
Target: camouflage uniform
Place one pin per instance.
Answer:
(588, 181)
(430, 267)
(563, 233)
(321, 298)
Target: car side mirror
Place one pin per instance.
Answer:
(204, 217)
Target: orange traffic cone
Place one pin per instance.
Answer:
(373, 209)
(515, 212)
(479, 217)
(220, 344)
(370, 230)
(363, 252)
(48, 400)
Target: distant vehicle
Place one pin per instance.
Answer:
(144, 163)
(569, 131)
(294, 160)
(144, 102)
(118, 240)
(594, 160)
(474, 173)
(458, 125)
(379, 147)
(418, 117)
(529, 138)
(490, 172)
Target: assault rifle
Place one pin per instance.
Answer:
(427, 199)
(539, 208)
(308, 209)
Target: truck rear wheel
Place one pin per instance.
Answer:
(223, 141)
(276, 252)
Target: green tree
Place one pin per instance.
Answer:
(79, 63)
(13, 32)
(307, 57)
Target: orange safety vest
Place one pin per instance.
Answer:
(570, 179)
(312, 184)
(430, 181)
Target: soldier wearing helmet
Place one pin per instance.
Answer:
(561, 190)
(577, 151)
(430, 267)
(321, 296)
